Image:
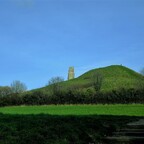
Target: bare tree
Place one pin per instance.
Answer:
(18, 87)
(97, 80)
(55, 83)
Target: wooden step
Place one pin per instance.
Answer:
(129, 133)
(132, 130)
(135, 127)
(136, 123)
(133, 133)
(124, 138)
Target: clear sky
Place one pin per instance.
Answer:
(40, 39)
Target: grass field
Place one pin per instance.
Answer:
(117, 109)
(64, 124)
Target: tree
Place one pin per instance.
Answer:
(5, 91)
(142, 71)
(97, 80)
(55, 83)
(18, 87)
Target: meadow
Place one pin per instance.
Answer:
(64, 124)
(116, 109)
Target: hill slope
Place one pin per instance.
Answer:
(114, 77)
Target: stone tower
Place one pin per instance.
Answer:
(71, 73)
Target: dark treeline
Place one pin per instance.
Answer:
(121, 96)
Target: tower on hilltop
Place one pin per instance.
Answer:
(71, 73)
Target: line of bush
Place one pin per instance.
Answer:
(122, 96)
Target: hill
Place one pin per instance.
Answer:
(114, 77)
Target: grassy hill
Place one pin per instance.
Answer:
(114, 77)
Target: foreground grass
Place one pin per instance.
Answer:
(64, 124)
(59, 129)
(117, 109)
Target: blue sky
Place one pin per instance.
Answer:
(40, 39)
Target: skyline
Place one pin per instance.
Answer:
(42, 39)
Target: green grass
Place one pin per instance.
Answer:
(64, 124)
(56, 129)
(114, 77)
(117, 109)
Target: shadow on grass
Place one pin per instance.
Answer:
(54, 129)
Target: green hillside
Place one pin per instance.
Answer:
(114, 77)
